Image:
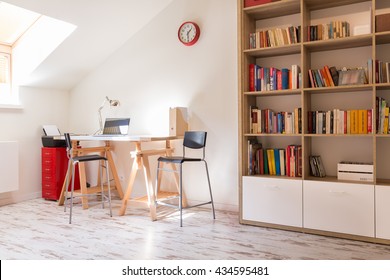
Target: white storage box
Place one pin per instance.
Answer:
(351, 171)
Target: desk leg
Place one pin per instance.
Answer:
(149, 187)
(114, 173)
(129, 189)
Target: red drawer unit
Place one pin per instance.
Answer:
(54, 167)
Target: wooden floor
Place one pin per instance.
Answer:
(39, 229)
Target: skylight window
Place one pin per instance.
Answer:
(14, 22)
(26, 39)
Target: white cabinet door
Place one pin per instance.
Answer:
(339, 207)
(272, 200)
(382, 199)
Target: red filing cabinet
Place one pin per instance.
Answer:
(54, 167)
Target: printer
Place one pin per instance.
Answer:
(50, 139)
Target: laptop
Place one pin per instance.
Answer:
(116, 127)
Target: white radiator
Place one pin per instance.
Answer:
(9, 166)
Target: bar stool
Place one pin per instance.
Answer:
(73, 160)
(192, 140)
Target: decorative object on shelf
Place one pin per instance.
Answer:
(352, 77)
(113, 103)
(355, 171)
(189, 33)
(382, 23)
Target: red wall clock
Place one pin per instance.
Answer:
(189, 33)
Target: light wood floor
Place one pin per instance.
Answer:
(39, 229)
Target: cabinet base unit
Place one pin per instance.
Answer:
(339, 207)
(382, 209)
(274, 201)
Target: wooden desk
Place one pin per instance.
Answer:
(141, 162)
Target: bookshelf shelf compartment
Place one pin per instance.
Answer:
(274, 51)
(336, 89)
(273, 92)
(272, 10)
(272, 135)
(321, 4)
(338, 135)
(382, 37)
(309, 198)
(339, 43)
(385, 86)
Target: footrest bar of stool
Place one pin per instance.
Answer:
(167, 204)
(197, 205)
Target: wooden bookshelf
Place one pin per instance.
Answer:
(304, 201)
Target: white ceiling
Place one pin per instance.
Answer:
(102, 27)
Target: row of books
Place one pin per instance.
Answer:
(378, 72)
(268, 121)
(332, 30)
(340, 122)
(275, 37)
(324, 77)
(382, 116)
(271, 161)
(271, 78)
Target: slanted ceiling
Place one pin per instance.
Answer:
(102, 27)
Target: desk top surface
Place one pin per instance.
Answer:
(127, 138)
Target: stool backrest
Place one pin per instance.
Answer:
(68, 144)
(195, 140)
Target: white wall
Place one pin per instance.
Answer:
(154, 71)
(40, 106)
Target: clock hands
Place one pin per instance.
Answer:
(188, 34)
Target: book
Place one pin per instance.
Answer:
(253, 146)
(282, 162)
(277, 162)
(271, 162)
(335, 75)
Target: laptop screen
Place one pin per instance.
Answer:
(116, 126)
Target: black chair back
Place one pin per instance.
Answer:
(68, 141)
(195, 139)
(68, 144)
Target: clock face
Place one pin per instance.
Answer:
(189, 33)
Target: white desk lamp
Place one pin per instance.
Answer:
(113, 103)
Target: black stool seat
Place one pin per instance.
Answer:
(89, 158)
(177, 159)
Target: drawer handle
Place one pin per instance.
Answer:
(274, 187)
(337, 192)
